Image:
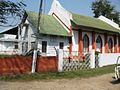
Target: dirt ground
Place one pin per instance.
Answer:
(104, 82)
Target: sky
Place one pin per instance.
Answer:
(77, 6)
(82, 7)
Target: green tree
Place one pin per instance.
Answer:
(10, 9)
(105, 8)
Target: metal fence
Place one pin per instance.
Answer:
(76, 62)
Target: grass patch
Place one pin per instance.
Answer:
(60, 75)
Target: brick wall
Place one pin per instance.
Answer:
(15, 65)
(23, 64)
(47, 64)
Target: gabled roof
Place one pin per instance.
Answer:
(12, 30)
(48, 24)
(92, 22)
(12, 24)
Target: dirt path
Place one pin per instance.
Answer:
(104, 82)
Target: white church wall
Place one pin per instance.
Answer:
(108, 59)
(75, 38)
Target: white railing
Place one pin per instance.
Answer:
(74, 55)
(75, 62)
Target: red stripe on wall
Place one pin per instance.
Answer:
(93, 41)
(106, 43)
(115, 44)
(80, 42)
(70, 42)
(71, 28)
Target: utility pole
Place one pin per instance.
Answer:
(37, 38)
(39, 15)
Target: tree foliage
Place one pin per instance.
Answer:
(104, 7)
(10, 9)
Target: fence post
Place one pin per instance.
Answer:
(34, 61)
(60, 60)
(92, 58)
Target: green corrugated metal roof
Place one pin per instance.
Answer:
(92, 22)
(48, 24)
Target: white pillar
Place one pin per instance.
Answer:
(60, 60)
(19, 39)
(92, 58)
(34, 61)
(29, 38)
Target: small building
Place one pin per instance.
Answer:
(10, 36)
(52, 35)
(9, 41)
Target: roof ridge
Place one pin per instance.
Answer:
(84, 15)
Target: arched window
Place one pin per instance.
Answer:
(85, 43)
(99, 44)
(110, 45)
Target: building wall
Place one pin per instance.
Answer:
(7, 44)
(8, 48)
(75, 40)
(53, 44)
(31, 37)
(27, 35)
(108, 59)
(52, 41)
(75, 43)
(8, 36)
